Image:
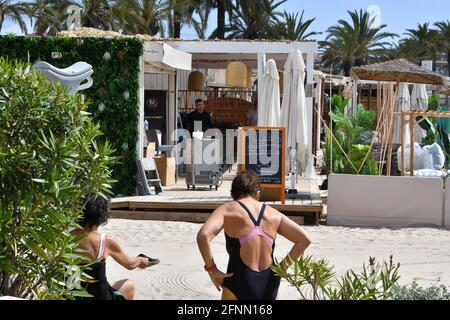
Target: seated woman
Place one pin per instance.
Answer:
(250, 230)
(98, 247)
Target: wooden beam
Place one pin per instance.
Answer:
(403, 144)
(411, 146)
(180, 216)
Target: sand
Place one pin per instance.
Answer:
(423, 253)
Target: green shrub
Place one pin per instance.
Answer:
(347, 147)
(437, 291)
(339, 103)
(114, 94)
(374, 282)
(49, 160)
(434, 101)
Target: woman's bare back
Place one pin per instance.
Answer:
(256, 253)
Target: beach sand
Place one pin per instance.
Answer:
(423, 253)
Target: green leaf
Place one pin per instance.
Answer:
(33, 246)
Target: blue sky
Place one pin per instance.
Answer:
(399, 15)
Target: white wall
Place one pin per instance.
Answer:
(155, 81)
(379, 201)
(447, 204)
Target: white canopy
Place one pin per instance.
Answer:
(293, 110)
(419, 101)
(403, 104)
(269, 107)
(159, 57)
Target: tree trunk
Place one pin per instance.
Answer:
(220, 20)
(347, 67)
(176, 25)
(448, 62)
(4, 283)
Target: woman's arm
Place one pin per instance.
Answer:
(209, 231)
(292, 231)
(116, 251)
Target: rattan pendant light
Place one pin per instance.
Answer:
(249, 77)
(196, 81)
(236, 74)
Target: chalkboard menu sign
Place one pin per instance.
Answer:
(264, 154)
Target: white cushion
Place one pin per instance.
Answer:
(425, 173)
(438, 155)
(417, 157)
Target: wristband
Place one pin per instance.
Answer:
(213, 268)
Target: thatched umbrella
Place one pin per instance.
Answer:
(398, 71)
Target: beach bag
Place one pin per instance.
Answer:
(437, 154)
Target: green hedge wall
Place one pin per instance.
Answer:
(114, 95)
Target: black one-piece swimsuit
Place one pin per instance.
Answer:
(100, 289)
(247, 284)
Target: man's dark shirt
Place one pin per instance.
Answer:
(204, 117)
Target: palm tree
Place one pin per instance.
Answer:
(49, 16)
(408, 49)
(96, 14)
(223, 7)
(13, 11)
(139, 16)
(201, 26)
(428, 39)
(253, 19)
(293, 28)
(355, 43)
(444, 29)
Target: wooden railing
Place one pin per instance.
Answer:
(227, 106)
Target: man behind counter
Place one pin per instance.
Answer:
(199, 115)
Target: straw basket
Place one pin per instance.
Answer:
(196, 81)
(237, 74)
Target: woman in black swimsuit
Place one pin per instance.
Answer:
(250, 231)
(98, 247)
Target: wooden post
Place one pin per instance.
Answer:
(391, 126)
(411, 139)
(403, 143)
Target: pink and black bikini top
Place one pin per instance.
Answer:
(257, 231)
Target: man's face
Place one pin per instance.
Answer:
(199, 106)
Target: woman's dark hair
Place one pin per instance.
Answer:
(245, 184)
(96, 212)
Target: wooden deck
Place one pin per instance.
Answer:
(177, 203)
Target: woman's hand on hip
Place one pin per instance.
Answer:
(217, 277)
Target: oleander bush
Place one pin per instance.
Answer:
(315, 279)
(49, 161)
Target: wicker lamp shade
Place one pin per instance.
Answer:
(249, 77)
(196, 81)
(236, 74)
